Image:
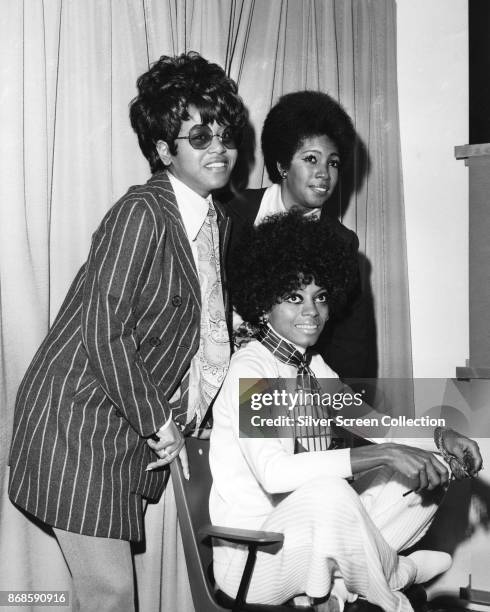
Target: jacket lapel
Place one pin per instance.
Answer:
(169, 203)
(224, 226)
(244, 208)
(172, 212)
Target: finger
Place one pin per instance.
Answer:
(433, 476)
(167, 437)
(164, 459)
(423, 480)
(441, 469)
(458, 469)
(167, 446)
(159, 445)
(166, 450)
(170, 456)
(156, 464)
(476, 458)
(468, 454)
(459, 452)
(163, 444)
(163, 455)
(171, 449)
(184, 462)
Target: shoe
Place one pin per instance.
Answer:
(429, 564)
(301, 601)
(332, 604)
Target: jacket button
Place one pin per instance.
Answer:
(176, 300)
(155, 341)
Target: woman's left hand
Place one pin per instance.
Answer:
(169, 446)
(466, 450)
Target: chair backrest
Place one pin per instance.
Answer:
(192, 498)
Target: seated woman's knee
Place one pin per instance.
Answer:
(324, 491)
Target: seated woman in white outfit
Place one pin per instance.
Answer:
(340, 541)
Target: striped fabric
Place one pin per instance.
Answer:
(312, 437)
(332, 534)
(100, 382)
(335, 534)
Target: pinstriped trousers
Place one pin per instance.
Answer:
(333, 531)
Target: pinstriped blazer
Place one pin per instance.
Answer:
(101, 381)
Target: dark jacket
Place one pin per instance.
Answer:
(101, 381)
(344, 343)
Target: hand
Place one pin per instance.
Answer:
(170, 444)
(464, 449)
(421, 467)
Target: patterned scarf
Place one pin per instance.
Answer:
(209, 368)
(310, 436)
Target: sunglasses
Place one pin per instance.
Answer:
(201, 136)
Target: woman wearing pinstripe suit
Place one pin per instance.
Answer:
(117, 366)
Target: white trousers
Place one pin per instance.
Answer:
(334, 530)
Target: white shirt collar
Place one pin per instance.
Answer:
(272, 204)
(192, 206)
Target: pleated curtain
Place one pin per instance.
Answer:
(67, 73)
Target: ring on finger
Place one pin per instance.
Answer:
(171, 456)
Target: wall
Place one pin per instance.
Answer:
(433, 98)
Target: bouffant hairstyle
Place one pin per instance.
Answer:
(282, 254)
(166, 91)
(300, 115)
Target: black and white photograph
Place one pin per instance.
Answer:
(245, 305)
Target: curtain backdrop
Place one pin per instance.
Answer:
(67, 152)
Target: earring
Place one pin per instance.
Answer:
(264, 317)
(284, 174)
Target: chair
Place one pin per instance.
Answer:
(192, 499)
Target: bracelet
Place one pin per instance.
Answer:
(460, 469)
(438, 439)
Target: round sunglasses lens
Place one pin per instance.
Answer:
(200, 136)
(230, 139)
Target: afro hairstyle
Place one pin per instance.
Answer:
(300, 115)
(285, 252)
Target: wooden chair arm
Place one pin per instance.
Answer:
(253, 540)
(241, 536)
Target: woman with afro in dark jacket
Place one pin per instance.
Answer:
(307, 141)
